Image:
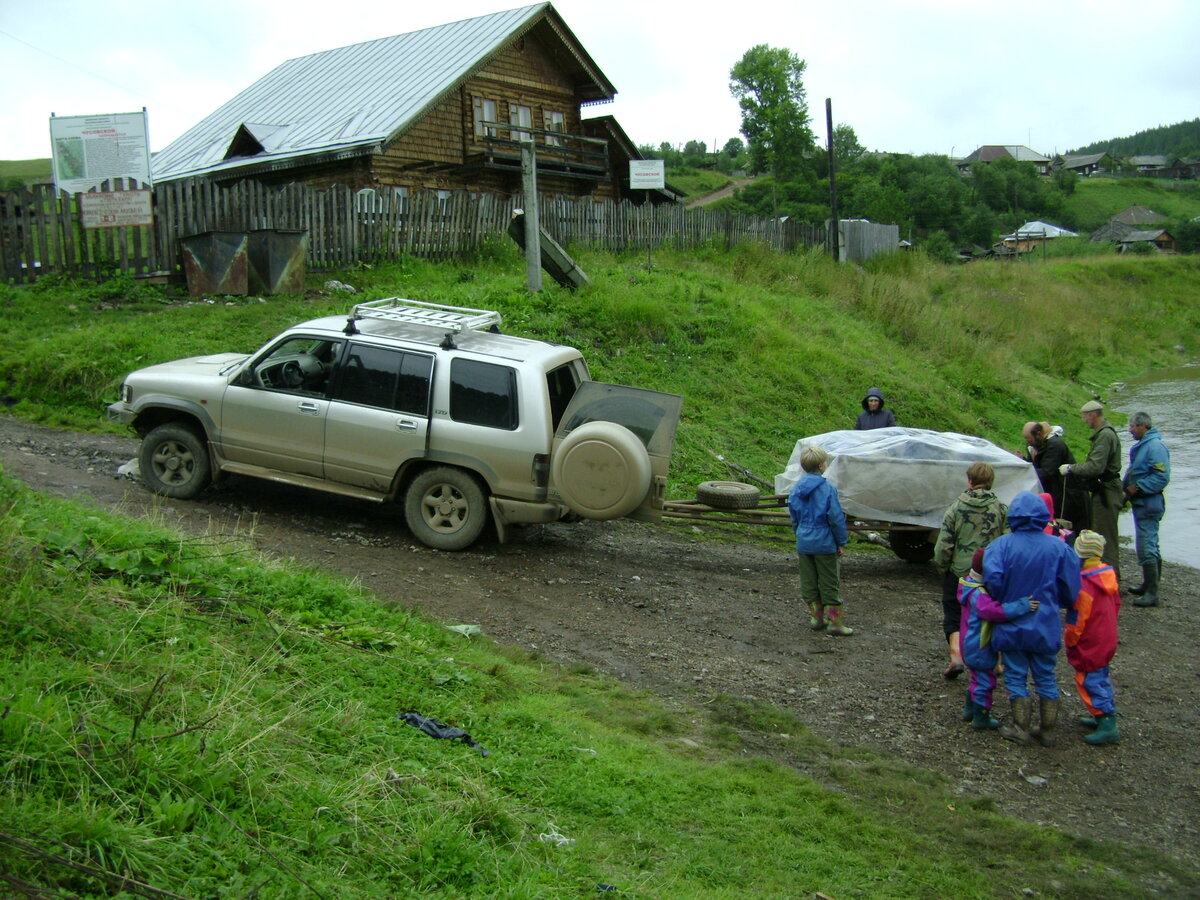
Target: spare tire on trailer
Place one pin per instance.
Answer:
(912, 546)
(728, 494)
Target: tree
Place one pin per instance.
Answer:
(768, 83)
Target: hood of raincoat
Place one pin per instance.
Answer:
(874, 392)
(1027, 512)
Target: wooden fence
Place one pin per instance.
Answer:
(40, 230)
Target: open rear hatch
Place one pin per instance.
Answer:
(612, 451)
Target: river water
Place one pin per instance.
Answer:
(1172, 398)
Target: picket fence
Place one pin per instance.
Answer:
(40, 230)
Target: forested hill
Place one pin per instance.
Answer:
(1181, 139)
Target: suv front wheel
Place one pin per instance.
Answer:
(445, 508)
(174, 462)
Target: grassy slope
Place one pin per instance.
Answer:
(765, 348)
(180, 713)
(1096, 200)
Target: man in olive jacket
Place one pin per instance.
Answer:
(1100, 476)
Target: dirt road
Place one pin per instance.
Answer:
(692, 619)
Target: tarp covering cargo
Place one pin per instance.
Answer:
(907, 475)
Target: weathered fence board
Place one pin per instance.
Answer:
(40, 231)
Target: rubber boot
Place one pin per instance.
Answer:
(982, 720)
(1017, 727)
(968, 708)
(816, 617)
(833, 621)
(1106, 730)
(1141, 588)
(1088, 721)
(1048, 721)
(1150, 594)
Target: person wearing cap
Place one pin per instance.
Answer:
(1100, 476)
(874, 415)
(1148, 475)
(1028, 569)
(1091, 638)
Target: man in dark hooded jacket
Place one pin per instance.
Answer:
(1029, 565)
(873, 414)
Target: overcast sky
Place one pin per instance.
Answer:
(931, 76)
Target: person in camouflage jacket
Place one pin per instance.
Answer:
(974, 520)
(1100, 476)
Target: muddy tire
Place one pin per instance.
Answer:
(728, 494)
(173, 461)
(446, 508)
(912, 546)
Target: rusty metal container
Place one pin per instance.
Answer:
(215, 262)
(277, 261)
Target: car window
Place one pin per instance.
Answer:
(299, 365)
(385, 378)
(483, 394)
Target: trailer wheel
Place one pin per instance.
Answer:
(728, 494)
(912, 546)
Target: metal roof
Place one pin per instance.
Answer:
(351, 100)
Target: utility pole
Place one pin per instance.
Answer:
(833, 203)
(533, 225)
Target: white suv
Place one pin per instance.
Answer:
(417, 402)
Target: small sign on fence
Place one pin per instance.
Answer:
(115, 209)
(646, 174)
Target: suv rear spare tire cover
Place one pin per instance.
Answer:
(601, 470)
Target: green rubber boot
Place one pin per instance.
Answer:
(1088, 721)
(968, 708)
(1016, 729)
(833, 622)
(1106, 730)
(982, 719)
(816, 617)
(1149, 596)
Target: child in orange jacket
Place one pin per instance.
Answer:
(1091, 639)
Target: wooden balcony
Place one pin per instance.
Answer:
(558, 153)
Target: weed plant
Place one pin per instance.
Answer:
(181, 716)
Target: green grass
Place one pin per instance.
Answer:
(766, 348)
(25, 169)
(1096, 200)
(184, 714)
(695, 182)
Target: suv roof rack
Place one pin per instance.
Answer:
(452, 319)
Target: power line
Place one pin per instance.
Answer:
(138, 94)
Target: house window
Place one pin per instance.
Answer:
(368, 201)
(485, 111)
(553, 122)
(520, 116)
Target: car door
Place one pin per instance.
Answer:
(273, 413)
(378, 416)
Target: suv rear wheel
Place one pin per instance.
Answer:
(174, 461)
(445, 508)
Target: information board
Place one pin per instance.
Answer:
(88, 150)
(647, 174)
(115, 209)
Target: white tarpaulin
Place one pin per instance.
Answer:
(907, 475)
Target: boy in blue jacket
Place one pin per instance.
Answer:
(821, 533)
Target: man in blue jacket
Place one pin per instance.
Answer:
(1029, 565)
(1148, 474)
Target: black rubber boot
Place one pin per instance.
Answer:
(1149, 596)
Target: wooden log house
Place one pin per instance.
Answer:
(441, 109)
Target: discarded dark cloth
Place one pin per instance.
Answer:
(434, 728)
